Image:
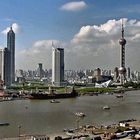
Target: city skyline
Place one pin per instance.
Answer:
(88, 33)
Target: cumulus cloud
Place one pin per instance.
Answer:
(74, 6)
(15, 28)
(101, 43)
(93, 46)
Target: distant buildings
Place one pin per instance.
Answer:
(97, 74)
(128, 74)
(40, 71)
(57, 66)
(80, 77)
(116, 74)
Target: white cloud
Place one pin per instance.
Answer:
(93, 46)
(40, 52)
(74, 6)
(15, 28)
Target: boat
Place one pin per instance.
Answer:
(54, 101)
(119, 96)
(80, 114)
(121, 135)
(70, 132)
(106, 107)
(4, 124)
(53, 95)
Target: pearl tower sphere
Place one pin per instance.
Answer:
(122, 69)
(122, 41)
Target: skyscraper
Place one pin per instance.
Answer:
(40, 70)
(128, 74)
(2, 64)
(57, 66)
(10, 67)
(4, 67)
(116, 74)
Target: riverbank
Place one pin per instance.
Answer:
(90, 132)
(15, 93)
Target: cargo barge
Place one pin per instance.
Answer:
(52, 95)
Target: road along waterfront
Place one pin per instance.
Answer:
(43, 117)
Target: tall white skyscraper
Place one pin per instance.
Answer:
(57, 66)
(2, 64)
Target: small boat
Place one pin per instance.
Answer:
(70, 132)
(80, 114)
(121, 135)
(119, 96)
(106, 107)
(4, 124)
(26, 107)
(54, 101)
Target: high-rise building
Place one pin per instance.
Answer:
(57, 66)
(128, 73)
(97, 74)
(10, 64)
(2, 64)
(116, 74)
(40, 70)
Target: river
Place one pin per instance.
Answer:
(43, 117)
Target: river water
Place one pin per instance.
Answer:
(43, 117)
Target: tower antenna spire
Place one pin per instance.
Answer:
(122, 69)
(122, 29)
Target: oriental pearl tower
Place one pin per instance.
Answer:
(122, 69)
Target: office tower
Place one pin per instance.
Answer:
(128, 73)
(116, 74)
(97, 74)
(122, 69)
(10, 67)
(40, 70)
(2, 64)
(57, 66)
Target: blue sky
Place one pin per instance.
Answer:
(47, 20)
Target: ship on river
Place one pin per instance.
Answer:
(53, 95)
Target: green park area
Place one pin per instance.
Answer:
(37, 86)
